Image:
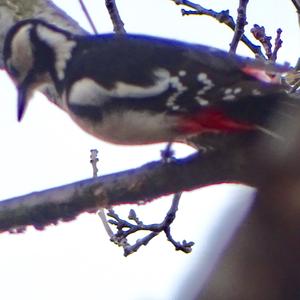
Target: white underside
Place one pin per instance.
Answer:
(130, 128)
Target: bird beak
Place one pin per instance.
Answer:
(22, 101)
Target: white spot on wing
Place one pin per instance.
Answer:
(201, 77)
(237, 90)
(206, 82)
(61, 45)
(230, 93)
(229, 97)
(175, 83)
(182, 73)
(256, 92)
(202, 101)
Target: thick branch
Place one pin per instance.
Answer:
(139, 185)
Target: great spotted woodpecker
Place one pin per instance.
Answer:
(135, 89)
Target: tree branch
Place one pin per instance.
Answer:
(115, 16)
(233, 163)
(297, 6)
(241, 22)
(222, 17)
(262, 262)
(259, 33)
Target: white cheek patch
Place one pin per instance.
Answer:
(88, 92)
(61, 45)
(21, 52)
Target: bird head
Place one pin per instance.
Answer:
(34, 54)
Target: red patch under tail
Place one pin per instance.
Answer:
(210, 120)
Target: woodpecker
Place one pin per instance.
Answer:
(135, 89)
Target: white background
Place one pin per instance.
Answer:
(76, 260)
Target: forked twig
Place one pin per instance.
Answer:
(259, 33)
(222, 17)
(126, 228)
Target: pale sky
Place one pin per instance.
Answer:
(76, 260)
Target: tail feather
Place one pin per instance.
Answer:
(270, 133)
(283, 115)
(270, 114)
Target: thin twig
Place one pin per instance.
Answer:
(241, 22)
(126, 228)
(85, 11)
(222, 17)
(115, 16)
(101, 213)
(102, 216)
(277, 46)
(259, 33)
(94, 160)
